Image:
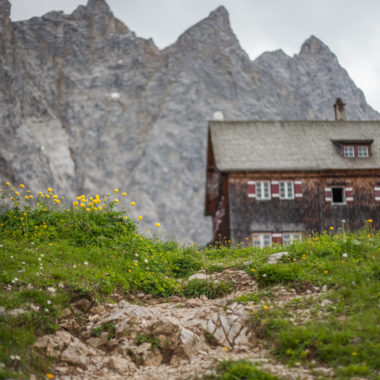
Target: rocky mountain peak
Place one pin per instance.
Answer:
(314, 45)
(98, 6)
(214, 29)
(5, 10)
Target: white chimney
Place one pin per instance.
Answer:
(218, 116)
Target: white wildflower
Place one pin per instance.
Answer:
(74, 266)
(85, 263)
(48, 302)
(345, 255)
(146, 261)
(264, 275)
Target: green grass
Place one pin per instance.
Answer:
(51, 257)
(211, 289)
(239, 370)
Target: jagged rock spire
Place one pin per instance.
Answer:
(314, 45)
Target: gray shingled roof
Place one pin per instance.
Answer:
(291, 145)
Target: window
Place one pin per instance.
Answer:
(338, 195)
(363, 151)
(261, 240)
(262, 190)
(286, 190)
(348, 151)
(356, 150)
(290, 238)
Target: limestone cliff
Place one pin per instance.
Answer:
(86, 105)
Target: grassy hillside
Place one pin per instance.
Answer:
(52, 256)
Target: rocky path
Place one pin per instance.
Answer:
(180, 339)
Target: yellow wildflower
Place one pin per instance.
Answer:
(265, 307)
(50, 376)
(133, 203)
(26, 197)
(57, 201)
(7, 184)
(116, 190)
(49, 190)
(116, 200)
(17, 193)
(140, 217)
(55, 196)
(124, 194)
(331, 228)
(87, 209)
(82, 205)
(47, 196)
(370, 221)
(252, 269)
(75, 204)
(325, 271)
(28, 191)
(100, 208)
(22, 186)
(158, 224)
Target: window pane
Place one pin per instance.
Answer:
(256, 240)
(258, 190)
(266, 189)
(267, 240)
(348, 151)
(282, 190)
(286, 239)
(290, 189)
(337, 195)
(362, 151)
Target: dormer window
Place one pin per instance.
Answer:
(348, 151)
(354, 148)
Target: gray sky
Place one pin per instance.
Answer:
(351, 28)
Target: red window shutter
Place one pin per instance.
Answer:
(298, 190)
(277, 239)
(349, 195)
(377, 193)
(328, 194)
(251, 189)
(275, 189)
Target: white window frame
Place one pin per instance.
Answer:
(288, 187)
(349, 151)
(291, 238)
(260, 190)
(363, 149)
(343, 195)
(258, 240)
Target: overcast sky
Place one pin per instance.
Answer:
(351, 28)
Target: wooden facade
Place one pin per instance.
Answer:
(250, 204)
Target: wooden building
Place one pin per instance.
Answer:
(272, 181)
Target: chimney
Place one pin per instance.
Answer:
(218, 116)
(340, 113)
